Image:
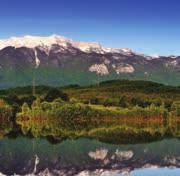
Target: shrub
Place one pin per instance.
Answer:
(110, 102)
(136, 101)
(28, 99)
(175, 108)
(94, 101)
(55, 94)
(123, 102)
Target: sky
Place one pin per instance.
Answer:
(146, 26)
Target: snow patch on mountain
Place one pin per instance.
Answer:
(123, 68)
(107, 61)
(37, 60)
(155, 56)
(116, 57)
(100, 69)
(173, 63)
(90, 47)
(173, 57)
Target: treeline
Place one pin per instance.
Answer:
(62, 118)
(57, 118)
(140, 85)
(126, 94)
(86, 111)
(128, 102)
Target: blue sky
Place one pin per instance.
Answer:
(148, 26)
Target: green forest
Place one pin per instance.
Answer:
(117, 111)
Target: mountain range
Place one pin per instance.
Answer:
(58, 61)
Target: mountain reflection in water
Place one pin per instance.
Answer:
(23, 155)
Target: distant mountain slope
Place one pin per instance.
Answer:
(58, 61)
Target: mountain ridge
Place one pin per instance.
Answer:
(56, 60)
(37, 41)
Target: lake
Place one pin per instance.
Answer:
(38, 156)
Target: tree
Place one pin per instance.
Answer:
(94, 101)
(109, 102)
(11, 99)
(25, 108)
(5, 111)
(122, 102)
(28, 99)
(136, 101)
(176, 108)
(55, 94)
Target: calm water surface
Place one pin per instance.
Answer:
(83, 156)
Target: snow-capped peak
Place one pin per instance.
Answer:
(46, 43)
(33, 41)
(89, 47)
(173, 57)
(155, 56)
(1, 44)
